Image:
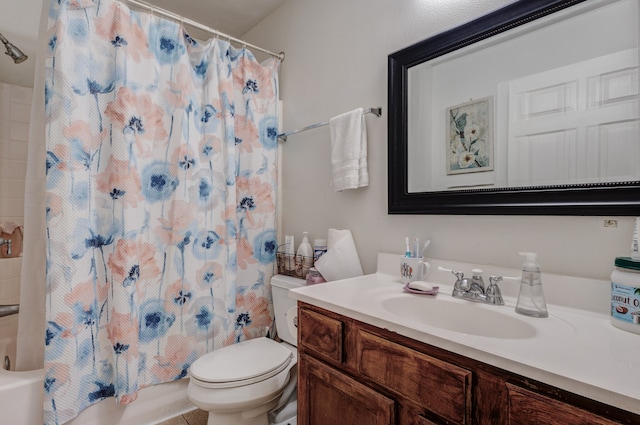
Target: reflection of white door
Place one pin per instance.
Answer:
(575, 124)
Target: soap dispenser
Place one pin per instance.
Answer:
(531, 298)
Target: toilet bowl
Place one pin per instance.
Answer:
(252, 382)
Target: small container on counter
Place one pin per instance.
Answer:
(625, 294)
(319, 248)
(314, 277)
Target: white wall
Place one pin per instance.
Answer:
(336, 60)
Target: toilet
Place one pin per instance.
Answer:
(252, 382)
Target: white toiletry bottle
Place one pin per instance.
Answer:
(531, 298)
(319, 248)
(304, 257)
(289, 254)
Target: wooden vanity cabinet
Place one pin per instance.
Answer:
(352, 373)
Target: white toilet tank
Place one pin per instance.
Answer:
(284, 308)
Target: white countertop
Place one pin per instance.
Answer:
(577, 350)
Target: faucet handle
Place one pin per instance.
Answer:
(493, 293)
(461, 284)
(493, 280)
(457, 274)
(516, 278)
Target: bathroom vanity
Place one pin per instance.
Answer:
(368, 356)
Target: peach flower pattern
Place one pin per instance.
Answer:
(137, 116)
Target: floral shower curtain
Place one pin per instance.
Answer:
(160, 201)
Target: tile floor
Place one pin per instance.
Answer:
(195, 417)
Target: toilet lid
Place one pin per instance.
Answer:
(241, 364)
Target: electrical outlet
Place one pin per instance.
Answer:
(611, 223)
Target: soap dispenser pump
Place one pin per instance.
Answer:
(531, 298)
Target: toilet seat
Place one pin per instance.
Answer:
(241, 364)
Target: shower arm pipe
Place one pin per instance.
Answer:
(283, 136)
(175, 17)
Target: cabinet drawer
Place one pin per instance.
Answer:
(529, 408)
(321, 334)
(440, 387)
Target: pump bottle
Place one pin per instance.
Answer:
(304, 256)
(531, 298)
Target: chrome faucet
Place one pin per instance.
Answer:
(6, 242)
(474, 290)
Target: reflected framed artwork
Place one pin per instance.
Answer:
(470, 137)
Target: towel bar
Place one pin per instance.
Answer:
(283, 136)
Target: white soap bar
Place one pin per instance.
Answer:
(421, 285)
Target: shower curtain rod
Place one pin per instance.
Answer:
(283, 136)
(183, 20)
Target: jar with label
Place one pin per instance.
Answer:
(319, 248)
(625, 294)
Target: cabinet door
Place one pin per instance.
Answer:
(328, 397)
(529, 408)
(321, 334)
(438, 386)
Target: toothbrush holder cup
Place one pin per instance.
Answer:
(413, 268)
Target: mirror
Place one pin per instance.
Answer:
(529, 110)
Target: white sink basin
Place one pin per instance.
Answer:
(460, 316)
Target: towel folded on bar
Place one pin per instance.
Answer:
(349, 150)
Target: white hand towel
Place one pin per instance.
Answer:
(349, 150)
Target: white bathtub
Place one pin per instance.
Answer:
(21, 401)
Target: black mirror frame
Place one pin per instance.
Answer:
(604, 199)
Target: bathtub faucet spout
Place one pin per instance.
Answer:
(8, 310)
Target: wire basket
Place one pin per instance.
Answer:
(292, 265)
